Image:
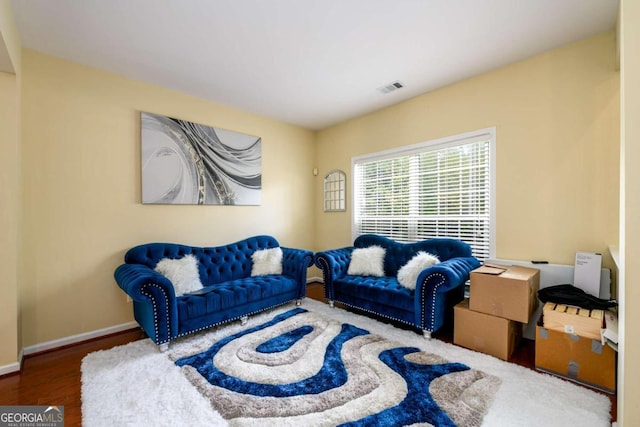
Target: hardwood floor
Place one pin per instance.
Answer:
(53, 377)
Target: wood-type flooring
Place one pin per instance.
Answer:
(53, 377)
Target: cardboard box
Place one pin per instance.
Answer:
(509, 292)
(573, 320)
(482, 332)
(580, 359)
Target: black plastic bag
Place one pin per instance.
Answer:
(570, 295)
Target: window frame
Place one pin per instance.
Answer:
(434, 145)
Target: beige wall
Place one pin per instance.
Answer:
(9, 36)
(10, 204)
(9, 217)
(556, 117)
(628, 366)
(81, 148)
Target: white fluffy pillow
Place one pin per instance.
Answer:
(182, 272)
(408, 274)
(367, 261)
(266, 261)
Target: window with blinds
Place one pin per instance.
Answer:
(440, 188)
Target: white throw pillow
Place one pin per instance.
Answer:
(266, 261)
(367, 261)
(182, 272)
(408, 273)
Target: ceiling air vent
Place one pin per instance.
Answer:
(391, 87)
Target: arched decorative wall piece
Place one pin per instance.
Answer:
(335, 191)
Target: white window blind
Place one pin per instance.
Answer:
(437, 189)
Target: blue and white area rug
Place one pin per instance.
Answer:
(304, 369)
(317, 366)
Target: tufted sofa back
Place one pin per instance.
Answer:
(216, 264)
(398, 254)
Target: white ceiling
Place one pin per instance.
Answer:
(312, 63)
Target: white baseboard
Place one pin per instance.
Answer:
(73, 339)
(10, 368)
(49, 345)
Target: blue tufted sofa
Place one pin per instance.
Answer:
(438, 288)
(229, 291)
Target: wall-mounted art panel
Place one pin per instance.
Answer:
(189, 163)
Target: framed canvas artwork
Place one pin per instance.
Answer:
(190, 163)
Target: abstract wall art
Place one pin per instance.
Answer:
(189, 163)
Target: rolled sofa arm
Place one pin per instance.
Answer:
(434, 282)
(295, 263)
(132, 278)
(155, 306)
(334, 263)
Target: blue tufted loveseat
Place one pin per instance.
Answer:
(438, 288)
(229, 291)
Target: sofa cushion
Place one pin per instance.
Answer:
(235, 293)
(367, 261)
(398, 254)
(182, 272)
(381, 291)
(216, 264)
(408, 273)
(266, 261)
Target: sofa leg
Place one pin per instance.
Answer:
(426, 334)
(331, 303)
(244, 320)
(299, 302)
(163, 347)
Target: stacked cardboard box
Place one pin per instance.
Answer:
(573, 320)
(501, 299)
(568, 344)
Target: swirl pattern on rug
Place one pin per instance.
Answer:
(303, 369)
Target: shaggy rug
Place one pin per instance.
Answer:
(317, 366)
